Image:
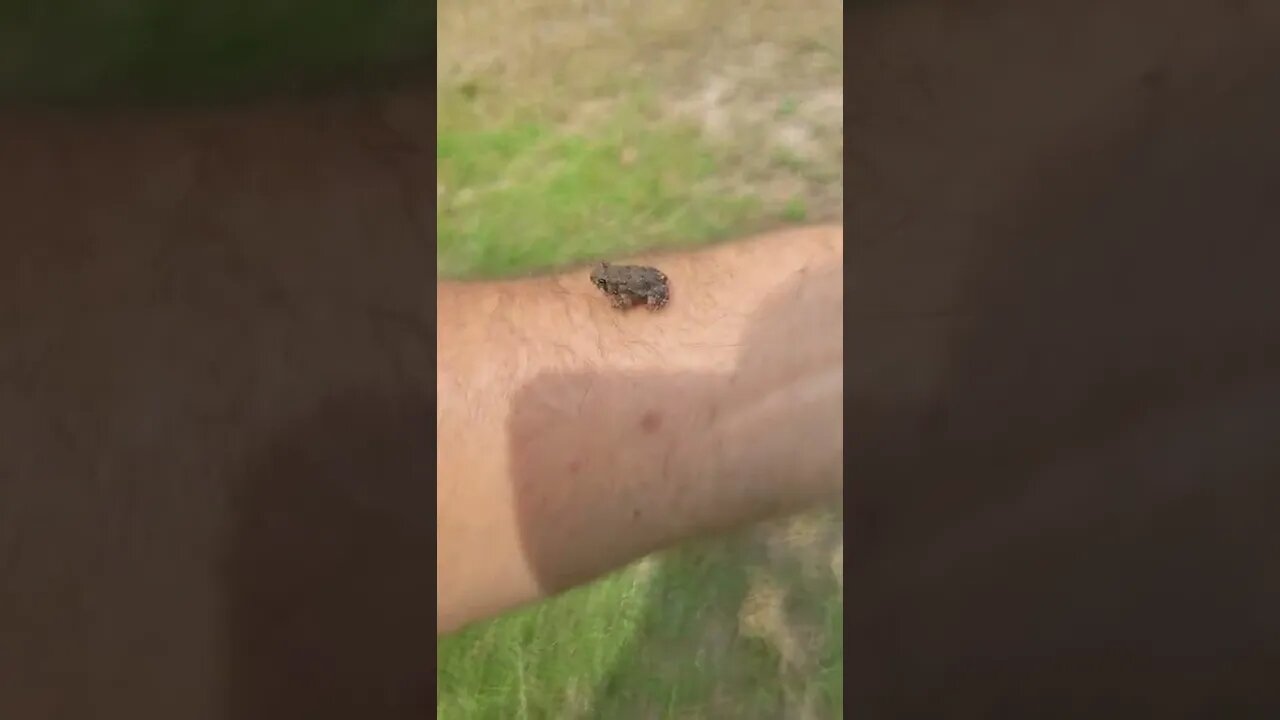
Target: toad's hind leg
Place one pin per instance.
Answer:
(655, 302)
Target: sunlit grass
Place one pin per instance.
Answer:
(526, 194)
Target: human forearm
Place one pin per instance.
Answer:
(574, 437)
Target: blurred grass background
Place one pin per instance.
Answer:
(521, 194)
(571, 129)
(566, 129)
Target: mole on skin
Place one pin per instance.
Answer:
(650, 421)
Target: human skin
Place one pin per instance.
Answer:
(574, 437)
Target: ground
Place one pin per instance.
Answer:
(628, 125)
(570, 131)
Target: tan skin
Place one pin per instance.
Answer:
(575, 437)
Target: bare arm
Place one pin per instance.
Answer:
(574, 438)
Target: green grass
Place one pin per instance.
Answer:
(795, 210)
(545, 661)
(525, 194)
(513, 668)
(660, 639)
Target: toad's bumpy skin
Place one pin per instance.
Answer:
(628, 285)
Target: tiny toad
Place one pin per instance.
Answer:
(628, 285)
